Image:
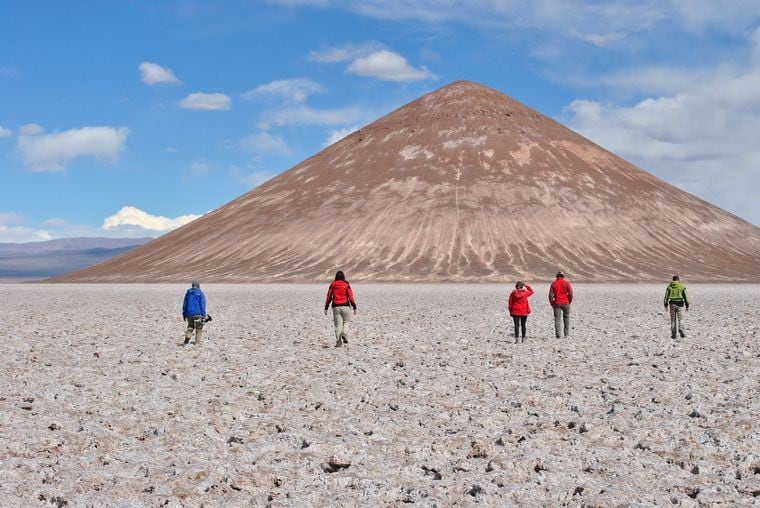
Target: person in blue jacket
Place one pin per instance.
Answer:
(194, 312)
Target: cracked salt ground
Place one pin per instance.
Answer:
(430, 403)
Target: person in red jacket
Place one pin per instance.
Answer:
(519, 308)
(341, 296)
(560, 298)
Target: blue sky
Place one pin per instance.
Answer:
(130, 118)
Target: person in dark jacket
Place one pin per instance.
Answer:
(519, 308)
(194, 312)
(341, 297)
(560, 298)
(676, 299)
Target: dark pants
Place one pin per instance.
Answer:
(520, 322)
(194, 323)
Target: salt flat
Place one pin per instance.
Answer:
(431, 403)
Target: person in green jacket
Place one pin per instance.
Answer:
(676, 300)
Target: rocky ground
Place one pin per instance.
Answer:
(431, 403)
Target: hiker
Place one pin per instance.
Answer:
(519, 308)
(341, 297)
(194, 312)
(560, 298)
(676, 300)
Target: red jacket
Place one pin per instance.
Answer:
(340, 295)
(560, 292)
(518, 301)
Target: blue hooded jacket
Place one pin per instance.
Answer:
(195, 303)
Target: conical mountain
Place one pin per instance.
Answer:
(463, 184)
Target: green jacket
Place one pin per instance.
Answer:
(676, 293)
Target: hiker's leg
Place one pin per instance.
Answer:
(516, 320)
(523, 324)
(673, 319)
(557, 321)
(566, 316)
(189, 331)
(198, 331)
(191, 324)
(338, 322)
(346, 314)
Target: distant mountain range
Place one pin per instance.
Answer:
(36, 260)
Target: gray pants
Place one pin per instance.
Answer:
(194, 323)
(676, 318)
(341, 318)
(561, 316)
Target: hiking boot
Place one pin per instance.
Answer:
(345, 339)
(339, 343)
(683, 334)
(187, 341)
(673, 335)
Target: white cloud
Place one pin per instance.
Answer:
(338, 134)
(10, 218)
(600, 40)
(265, 143)
(13, 230)
(652, 79)
(131, 217)
(170, 149)
(62, 228)
(294, 90)
(344, 53)
(563, 17)
(201, 167)
(700, 132)
(31, 129)
(54, 151)
(22, 234)
(5, 133)
(372, 60)
(206, 101)
(387, 66)
(305, 115)
(154, 74)
(8, 71)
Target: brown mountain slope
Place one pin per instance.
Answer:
(463, 184)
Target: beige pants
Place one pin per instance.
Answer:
(677, 315)
(194, 323)
(341, 318)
